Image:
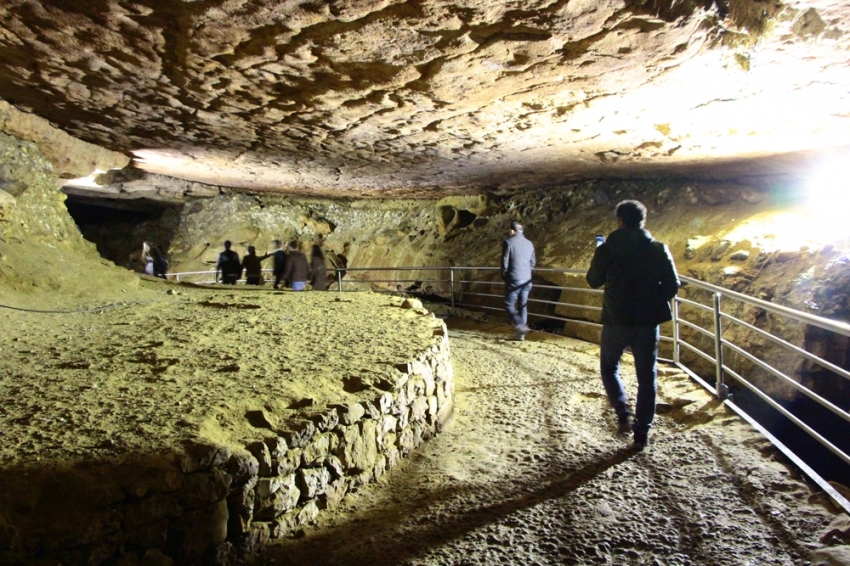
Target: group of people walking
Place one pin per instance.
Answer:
(637, 272)
(290, 267)
(640, 279)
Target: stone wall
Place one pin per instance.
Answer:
(213, 504)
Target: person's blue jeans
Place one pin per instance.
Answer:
(643, 341)
(516, 302)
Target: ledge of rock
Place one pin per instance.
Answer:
(71, 158)
(165, 430)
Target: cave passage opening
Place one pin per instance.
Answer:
(117, 227)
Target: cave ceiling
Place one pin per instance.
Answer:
(423, 97)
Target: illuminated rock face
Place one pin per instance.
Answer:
(389, 98)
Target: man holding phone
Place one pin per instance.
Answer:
(640, 280)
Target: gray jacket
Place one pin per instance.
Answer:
(518, 259)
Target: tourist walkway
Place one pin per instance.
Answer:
(532, 472)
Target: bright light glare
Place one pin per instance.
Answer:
(88, 181)
(828, 195)
(778, 231)
(822, 219)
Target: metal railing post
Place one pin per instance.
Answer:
(339, 281)
(675, 311)
(452, 279)
(721, 389)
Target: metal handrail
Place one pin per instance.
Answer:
(456, 286)
(814, 320)
(796, 349)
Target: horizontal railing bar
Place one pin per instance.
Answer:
(502, 283)
(708, 333)
(579, 289)
(796, 349)
(572, 320)
(352, 280)
(572, 305)
(541, 301)
(471, 282)
(430, 268)
(805, 468)
(790, 416)
(534, 314)
(696, 377)
(545, 302)
(818, 321)
(694, 304)
(561, 270)
(798, 386)
(697, 351)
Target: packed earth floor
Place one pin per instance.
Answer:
(532, 472)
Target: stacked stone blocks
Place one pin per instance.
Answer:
(218, 505)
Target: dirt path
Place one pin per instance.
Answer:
(531, 472)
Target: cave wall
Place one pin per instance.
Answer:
(68, 156)
(696, 219)
(44, 260)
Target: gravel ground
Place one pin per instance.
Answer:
(532, 472)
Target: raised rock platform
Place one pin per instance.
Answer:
(173, 449)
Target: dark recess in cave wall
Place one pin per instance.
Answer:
(118, 233)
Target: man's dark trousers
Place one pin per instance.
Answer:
(643, 341)
(516, 302)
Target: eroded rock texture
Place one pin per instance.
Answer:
(401, 97)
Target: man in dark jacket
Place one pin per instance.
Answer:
(640, 279)
(279, 265)
(518, 260)
(229, 266)
(297, 269)
(252, 266)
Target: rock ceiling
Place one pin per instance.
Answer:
(414, 97)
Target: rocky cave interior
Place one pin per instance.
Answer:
(392, 133)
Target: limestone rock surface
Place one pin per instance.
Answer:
(69, 156)
(378, 97)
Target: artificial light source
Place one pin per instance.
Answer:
(828, 192)
(821, 216)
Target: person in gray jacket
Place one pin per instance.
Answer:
(640, 280)
(518, 260)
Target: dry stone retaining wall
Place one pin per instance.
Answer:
(213, 504)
